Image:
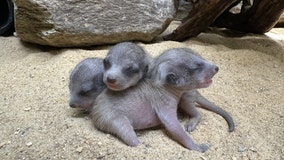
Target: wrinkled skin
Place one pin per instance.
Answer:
(154, 100)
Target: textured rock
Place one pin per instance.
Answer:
(91, 22)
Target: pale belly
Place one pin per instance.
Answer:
(144, 118)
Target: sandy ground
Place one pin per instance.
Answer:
(36, 122)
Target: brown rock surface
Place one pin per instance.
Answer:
(91, 22)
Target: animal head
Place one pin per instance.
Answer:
(86, 83)
(183, 69)
(125, 65)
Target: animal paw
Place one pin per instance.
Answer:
(190, 125)
(203, 147)
(132, 142)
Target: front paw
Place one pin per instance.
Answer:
(202, 147)
(191, 125)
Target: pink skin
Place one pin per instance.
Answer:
(154, 101)
(114, 87)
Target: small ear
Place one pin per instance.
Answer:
(172, 78)
(158, 73)
(145, 70)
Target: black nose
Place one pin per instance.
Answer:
(216, 69)
(111, 80)
(73, 105)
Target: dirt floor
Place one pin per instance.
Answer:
(37, 123)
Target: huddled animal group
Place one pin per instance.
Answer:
(129, 90)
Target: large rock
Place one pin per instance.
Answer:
(67, 23)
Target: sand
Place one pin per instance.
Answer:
(37, 123)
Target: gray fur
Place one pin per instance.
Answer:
(125, 64)
(154, 101)
(188, 103)
(190, 98)
(86, 83)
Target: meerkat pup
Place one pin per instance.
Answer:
(86, 83)
(190, 98)
(154, 101)
(125, 64)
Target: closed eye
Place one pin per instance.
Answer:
(199, 65)
(190, 71)
(107, 64)
(85, 93)
(131, 70)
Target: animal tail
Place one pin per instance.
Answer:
(205, 104)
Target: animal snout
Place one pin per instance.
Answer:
(111, 80)
(73, 105)
(216, 69)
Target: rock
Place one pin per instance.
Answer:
(29, 144)
(79, 149)
(27, 108)
(91, 22)
(242, 149)
(2, 144)
(184, 8)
